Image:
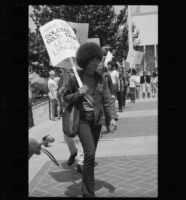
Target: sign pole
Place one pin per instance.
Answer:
(75, 73)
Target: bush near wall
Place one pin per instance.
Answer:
(39, 92)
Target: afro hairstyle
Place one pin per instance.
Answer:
(87, 52)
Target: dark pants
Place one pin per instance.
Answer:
(119, 97)
(137, 92)
(124, 94)
(132, 94)
(54, 108)
(89, 135)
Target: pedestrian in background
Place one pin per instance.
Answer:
(109, 83)
(116, 82)
(145, 81)
(54, 102)
(90, 100)
(121, 89)
(30, 113)
(154, 84)
(125, 78)
(137, 85)
(107, 76)
(132, 85)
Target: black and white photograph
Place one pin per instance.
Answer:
(93, 101)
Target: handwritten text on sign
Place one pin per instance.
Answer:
(135, 57)
(60, 40)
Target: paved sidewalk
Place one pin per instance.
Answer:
(126, 176)
(127, 160)
(133, 127)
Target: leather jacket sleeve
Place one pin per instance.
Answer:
(71, 94)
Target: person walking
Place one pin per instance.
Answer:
(108, 79)
(125, 78)
(137, 85)
(90, 100)
(54, 102)
(116, 82)
(107, 76)
(74, 150)
(132, 85)
(121, 88)
(154, 84)
(145, 81)
(30, 113)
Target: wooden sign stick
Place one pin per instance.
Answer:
(76, 74)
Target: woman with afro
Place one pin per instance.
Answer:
(91, 100)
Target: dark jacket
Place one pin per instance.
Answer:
(142, 79)
(62, 85)
(102, 98)
(125, 79)
(109, 82)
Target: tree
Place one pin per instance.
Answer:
(38, 56)
(120, 44)
(103, 23)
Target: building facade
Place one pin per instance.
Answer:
(146, 20)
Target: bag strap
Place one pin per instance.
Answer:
(89, 99)
(50, 156)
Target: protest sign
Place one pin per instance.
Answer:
(66, 64)
(95, 40)
(130, 57)
(138, 57)
(134, 57)
(108, 58)
(60, 40)
(126, 65)
(61, 43)
(81, 31)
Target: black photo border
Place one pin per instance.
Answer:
(14, 101)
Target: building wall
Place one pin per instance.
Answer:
(148, 28)
(145, 9)
(146, 20)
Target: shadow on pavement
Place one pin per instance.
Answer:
(66, 173)
(75, 189)
(65, 166)
(65, 176)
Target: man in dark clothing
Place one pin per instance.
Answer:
(119, 91)
(106, 75)
(108, 79)
(125, 78)
(145, 81)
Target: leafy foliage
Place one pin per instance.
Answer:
(39, 90)
(103, 23)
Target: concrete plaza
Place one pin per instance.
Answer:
(127, 159)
